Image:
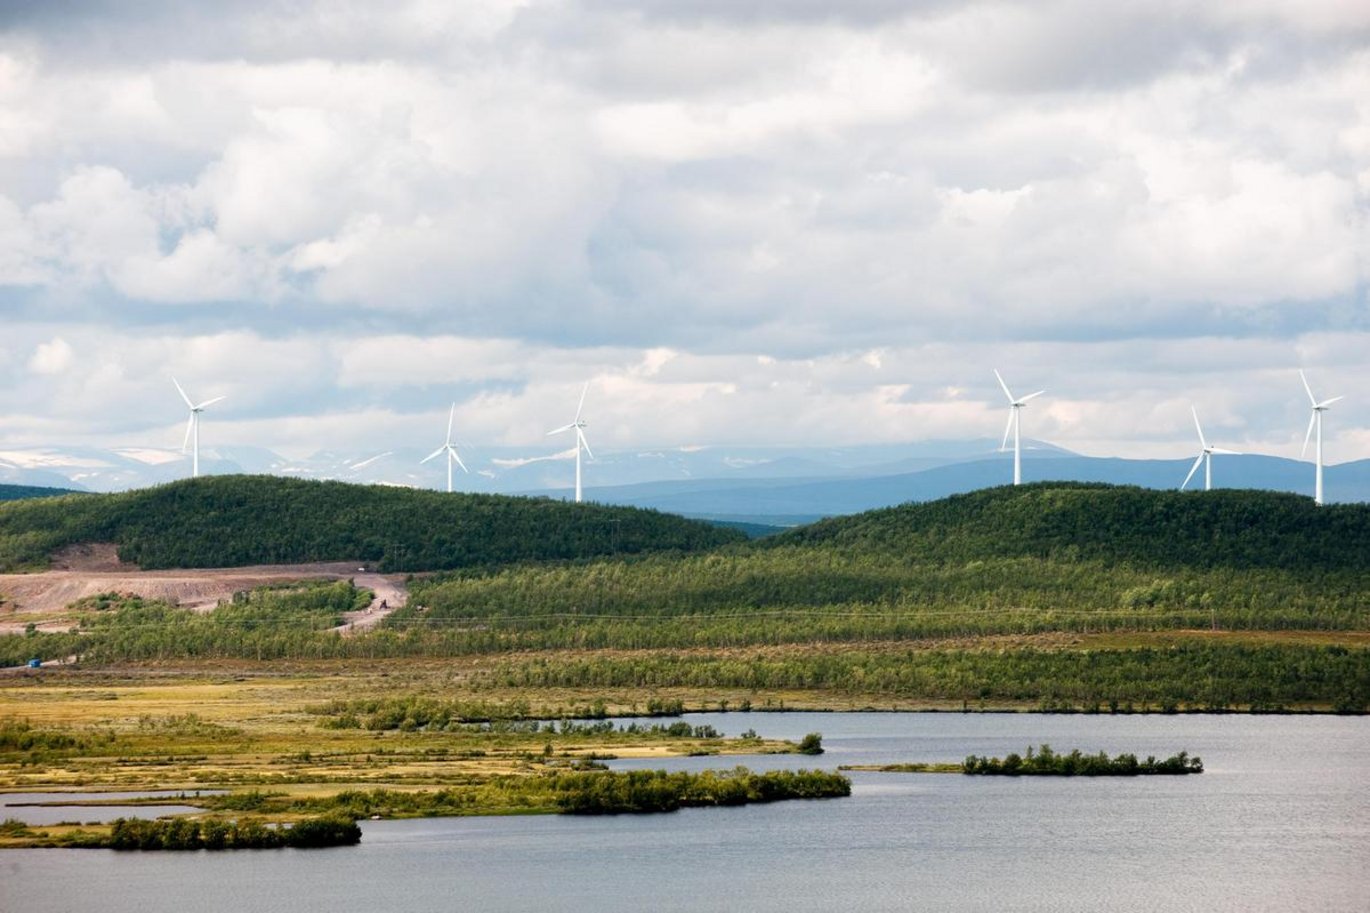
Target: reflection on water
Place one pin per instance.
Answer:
(1280, 821)
(43, 808)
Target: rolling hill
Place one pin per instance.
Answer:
(231, 521)
(21, 492)
(1028, 559)
(1053, 596)
(1220, 528)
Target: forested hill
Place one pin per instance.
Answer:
(19, 492)
(230, 521)
(1224, 528)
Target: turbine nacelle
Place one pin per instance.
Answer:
(578, 426)
(1205, 457)
(449, 448)
(1315, 420)
(1015, 405)
(1317, 407)
(192, 435)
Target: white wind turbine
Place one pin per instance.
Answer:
(1205, 456)
(1015, 406)
(1316, 419)
(578, 426)
(448, 448)
(193, 427)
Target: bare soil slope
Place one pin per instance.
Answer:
(89, 570)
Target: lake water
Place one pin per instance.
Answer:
(1280, 821)
(40, 808)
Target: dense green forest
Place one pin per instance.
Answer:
(294, 624)
(230, 521)
(20, 492)
(840, 600)
(1042, 558)
(1224, 528)
(1207, 676)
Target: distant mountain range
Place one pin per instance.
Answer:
(776, 486)
(788, 502)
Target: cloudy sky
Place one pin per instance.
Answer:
(741, 222)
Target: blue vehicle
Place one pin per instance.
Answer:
(35, 664)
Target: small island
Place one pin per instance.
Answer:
(1045, 762)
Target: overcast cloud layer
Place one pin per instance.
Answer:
(744, 223)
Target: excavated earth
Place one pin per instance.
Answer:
(91, 569)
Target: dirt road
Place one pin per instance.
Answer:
(41, 597)
(390, 594)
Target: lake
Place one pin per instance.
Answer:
(1280, 820)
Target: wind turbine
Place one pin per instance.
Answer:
(193, 427)
(1015, 406)
(1205, 456)
(578, 425)
(448, 448)
(1316, 419)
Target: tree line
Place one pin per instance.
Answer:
(1046, 762)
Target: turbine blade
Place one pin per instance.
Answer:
(1327, 402)
(208, 402)
(190, 426)
(1007, 428)
(1311, 398)
(1308, 435)
(1031, 396)
(431, 455)
(183, 393)
(451, 415)
(1203, 443)
(562, 428)
(1003, 385)
(584, 443)
(453, 452)
(1223, 450)
(1192, 469)
(581, 405)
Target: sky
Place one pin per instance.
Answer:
(741, 223)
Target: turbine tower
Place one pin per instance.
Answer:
(578, 426)
(1205, 456)
(1015, 406)
(193, 427)
(448, 448)
(1316, 419)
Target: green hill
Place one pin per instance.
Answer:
(20, 492)
(1051, 596)
(1029, 560)
(230, 521)
(1224, 528)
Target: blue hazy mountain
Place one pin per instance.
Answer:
(780, 501)
(770, 485)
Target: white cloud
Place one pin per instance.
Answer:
(742, 223)
(51, 357)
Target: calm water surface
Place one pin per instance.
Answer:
(21, 807)
(1280, 821)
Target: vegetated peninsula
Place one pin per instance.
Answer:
(258, 820)
(1046, 762)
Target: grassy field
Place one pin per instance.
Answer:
(270, 734)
